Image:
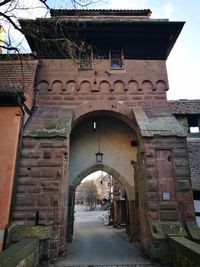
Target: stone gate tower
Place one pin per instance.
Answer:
(118, 73)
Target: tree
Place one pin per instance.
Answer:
(90, 193)
(13, 10)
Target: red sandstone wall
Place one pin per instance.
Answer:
(10, 127)
(141, 83)
(41, 187)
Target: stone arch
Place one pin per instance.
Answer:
(161, 86)
(71, 86)
(116, 144)
(104, 86)
(85, 86)
(57, 85)
(119, 86)
(133, 86)
(116, 139)
(118, 110)
(110, 171)
(43, 85)
(147, 86)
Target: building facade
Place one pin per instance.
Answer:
(188, 114)
(105, 68)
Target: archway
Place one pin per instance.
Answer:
(118, 146)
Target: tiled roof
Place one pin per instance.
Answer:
(98, 12)
(184, 106)
(16, 76)
(194, 158)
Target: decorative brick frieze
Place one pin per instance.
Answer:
(58, 88)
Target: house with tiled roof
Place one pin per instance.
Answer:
(17, 77)
(187, 112)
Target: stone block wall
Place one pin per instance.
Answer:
(163, 167)
(167, 168)
(40, 189)
(62, 83)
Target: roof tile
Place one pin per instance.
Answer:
(194, 158)
(184, 106)
(16, 76)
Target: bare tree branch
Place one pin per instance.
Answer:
(5, 2)
(45, 3)
(8, 18)
(10, 48)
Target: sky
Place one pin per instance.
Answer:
(183, 61)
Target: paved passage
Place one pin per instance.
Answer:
(95, 244)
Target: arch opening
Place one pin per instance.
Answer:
(115, 138)
(101, 201)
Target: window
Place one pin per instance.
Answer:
(193, 124)
(116, 57)
(85, 59)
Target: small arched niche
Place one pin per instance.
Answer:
(161, 86)
(43, 86)
(57, 86)
(119, 86)
(85, 86)
(147, 86)
(104, 86)
(71, 86)
(133, 86)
